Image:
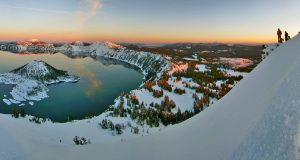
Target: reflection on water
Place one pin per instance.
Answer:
(99, 85)
(90, 75)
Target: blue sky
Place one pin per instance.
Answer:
(242, 21)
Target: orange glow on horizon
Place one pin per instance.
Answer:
(132, 38)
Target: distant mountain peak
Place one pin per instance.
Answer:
(34, 40)
(113, 45)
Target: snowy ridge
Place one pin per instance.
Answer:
(149, 63)
(112, 45)
(152, 65)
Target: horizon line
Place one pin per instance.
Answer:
(149, 43)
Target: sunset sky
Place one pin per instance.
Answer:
(148, 21)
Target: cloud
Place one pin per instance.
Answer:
(89, 9)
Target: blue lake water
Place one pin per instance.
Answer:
(99, 85)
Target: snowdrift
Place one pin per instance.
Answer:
(258, 119)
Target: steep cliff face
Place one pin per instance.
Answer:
(152, 65)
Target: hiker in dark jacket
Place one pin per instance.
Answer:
(286, 36)
(279, 33)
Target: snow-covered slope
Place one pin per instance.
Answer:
(258, 119)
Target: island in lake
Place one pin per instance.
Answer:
(31, 81)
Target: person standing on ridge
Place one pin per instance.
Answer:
(279, 33)
(286, 36)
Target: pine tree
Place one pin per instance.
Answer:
(118, 129)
